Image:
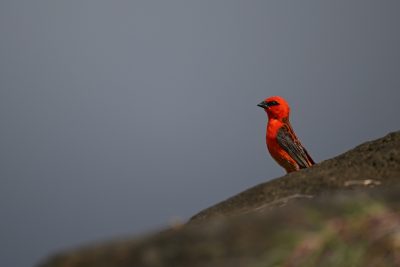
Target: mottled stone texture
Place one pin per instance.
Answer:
(341, 212)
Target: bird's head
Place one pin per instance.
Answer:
(276, 107)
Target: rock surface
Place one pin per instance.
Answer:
(341, 212)
(370, 164)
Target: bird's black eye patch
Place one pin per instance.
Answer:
(272, 103)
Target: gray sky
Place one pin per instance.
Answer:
(117, 116)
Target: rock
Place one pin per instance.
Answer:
(341, 212)
(370, 164)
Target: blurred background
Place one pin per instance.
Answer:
(117, 117)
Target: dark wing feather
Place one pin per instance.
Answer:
(288, 141)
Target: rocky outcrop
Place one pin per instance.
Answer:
(368, 165)
(341, 212)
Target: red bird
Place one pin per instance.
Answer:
(282, 142)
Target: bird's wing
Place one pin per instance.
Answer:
(289, 142)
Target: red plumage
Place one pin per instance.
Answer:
(282, 142)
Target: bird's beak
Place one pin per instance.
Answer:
(263, 105)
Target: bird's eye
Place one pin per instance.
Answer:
(272, 103)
